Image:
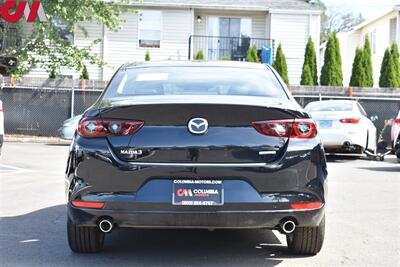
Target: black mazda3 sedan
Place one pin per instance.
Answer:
(196, 145)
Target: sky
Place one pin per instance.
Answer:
(368, 8)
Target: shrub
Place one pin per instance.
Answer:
(52, 74)
(367, 65)
(306, 76)
(392, 73)
(85, 73)
(280, 64)
(358, 77)
(383, 79)
(147, 56)
(226, 58)
(200, 55)
(331, 73)
(252, 55)
(394, 52)
(310, 65)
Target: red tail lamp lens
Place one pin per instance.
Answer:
(350, 120)
(298, 128)
(397, 121)
(306, 205)
(88, 205)
(96, 127)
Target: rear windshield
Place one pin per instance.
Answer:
(313, 107)
(194, 81)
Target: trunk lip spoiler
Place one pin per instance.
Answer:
(193, 164)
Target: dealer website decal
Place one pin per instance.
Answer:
(12, 11)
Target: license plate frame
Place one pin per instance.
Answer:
(190, 192)
(325, 124)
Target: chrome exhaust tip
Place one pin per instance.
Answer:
(105, 226)
(288, 227)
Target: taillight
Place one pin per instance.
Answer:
(306, 205)
(96, 127)
(350, 120)
(397, 121)
(297, 128)
(88, 204)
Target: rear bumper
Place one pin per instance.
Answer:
(336, 139)
(232, 219)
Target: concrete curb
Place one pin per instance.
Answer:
(35, 139)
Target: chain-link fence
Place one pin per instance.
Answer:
(379, 110)
(41, 111)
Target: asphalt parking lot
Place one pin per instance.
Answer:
(363, 222)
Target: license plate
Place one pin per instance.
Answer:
(198, 193)
(325, 124)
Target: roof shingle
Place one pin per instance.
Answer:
(233, 4)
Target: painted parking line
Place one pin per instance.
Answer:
(8, 169)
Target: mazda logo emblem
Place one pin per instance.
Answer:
(198, 126)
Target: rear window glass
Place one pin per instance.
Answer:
(313, 107)
(149, 81)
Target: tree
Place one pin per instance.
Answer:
(338, 56)
(85, 73)
(280, 65)
(310, 65)
(392, 75)
(147, 56)
(358, 77)
(394, 53)
(252, 55)
(306, 76)
(331, 73)
(200, 55)
(367, 64)
(383, 79)
(49, 44)
(335, 19)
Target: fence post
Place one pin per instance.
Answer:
(72, 98)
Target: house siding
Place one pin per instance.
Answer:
(95, 31)
(123, 46)
(292, 31)
(258, 20)
(355, 38)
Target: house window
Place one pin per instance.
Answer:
(150, 29)
(63, 30)
(372, 37)
(228, 37)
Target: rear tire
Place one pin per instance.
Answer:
(83, 239)
(307, 240)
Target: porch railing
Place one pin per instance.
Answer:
(226, 48)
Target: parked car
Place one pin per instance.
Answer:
(395, 136)
(69, 127)
(1, 125)
(196, 145)
(344, 126)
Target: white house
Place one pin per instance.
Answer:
(177, 29)
(382, 32)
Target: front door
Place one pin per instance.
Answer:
(229, 30)
(225, 37)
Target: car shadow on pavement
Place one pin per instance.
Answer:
(382, 169)
(39, 239)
